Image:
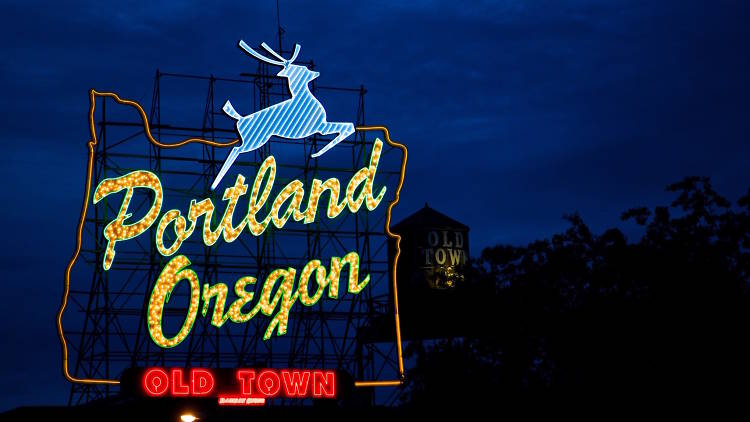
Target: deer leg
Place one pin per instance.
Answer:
(225, 167)
(343, 130)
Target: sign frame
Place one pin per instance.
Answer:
(92, 143)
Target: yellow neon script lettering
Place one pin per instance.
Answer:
(286, 205)
(117, 230)
(277, 295)
(175, 271)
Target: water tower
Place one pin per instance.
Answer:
(433, 274)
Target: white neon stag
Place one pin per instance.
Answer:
(296, 118)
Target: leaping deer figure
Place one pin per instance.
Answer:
(296, 118)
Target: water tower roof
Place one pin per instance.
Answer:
(428, 217)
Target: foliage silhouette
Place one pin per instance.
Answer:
(583, 316)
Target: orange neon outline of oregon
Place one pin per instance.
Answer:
(147, 130)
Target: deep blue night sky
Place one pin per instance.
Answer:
(515, 112)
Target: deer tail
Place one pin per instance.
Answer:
(231, 112)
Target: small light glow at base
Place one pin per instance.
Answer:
(188, 418)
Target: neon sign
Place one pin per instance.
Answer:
(248, 387)
(278, 292)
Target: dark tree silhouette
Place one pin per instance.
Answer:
(583, 316)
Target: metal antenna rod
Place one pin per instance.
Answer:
(278, 24)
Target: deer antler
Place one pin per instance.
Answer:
(296, 51)
(260, 57)
(270, 50)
